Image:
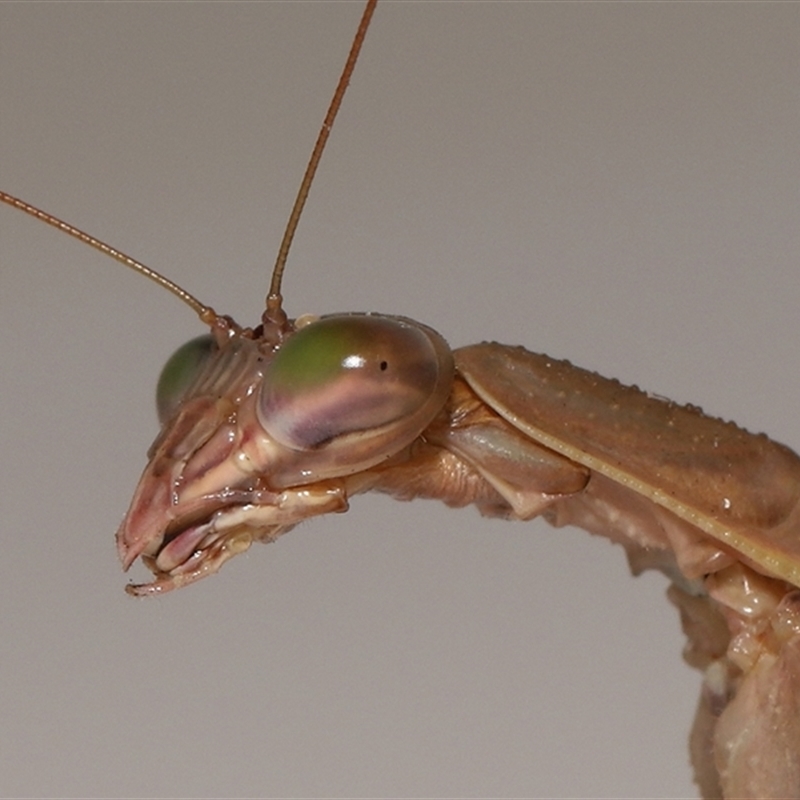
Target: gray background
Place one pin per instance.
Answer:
(613, 183)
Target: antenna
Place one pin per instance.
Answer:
(206, 313)
(274, 314)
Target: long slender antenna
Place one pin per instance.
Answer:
(206, 313)
(274, 313)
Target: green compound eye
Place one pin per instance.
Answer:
(178, 373)
(348, 374)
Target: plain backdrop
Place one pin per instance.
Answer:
(613, 183)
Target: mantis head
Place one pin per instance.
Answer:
(258, 436)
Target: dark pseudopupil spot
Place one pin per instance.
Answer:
(384, 366)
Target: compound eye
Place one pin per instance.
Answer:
(348, 375)
(182, 367)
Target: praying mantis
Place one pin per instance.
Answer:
(481, 294)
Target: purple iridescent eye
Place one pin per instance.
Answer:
(348, 374)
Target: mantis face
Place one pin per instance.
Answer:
(257, 436)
